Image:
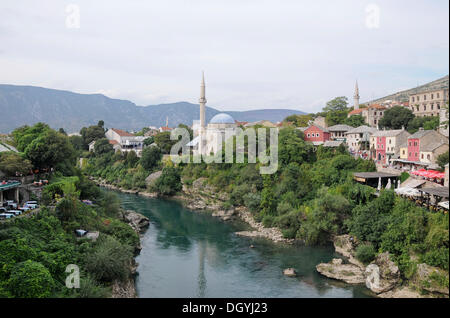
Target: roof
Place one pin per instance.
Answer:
(241, 123)
(317, 126)
(362, 129)
(113, 142)
(340, 128)
(388, 133)
(165, 128)
(420, 134)
(374, 175)
(356, 111)
(440, 192)
(122, 133)
(5, 147)
(376, 106)
(222, 118)
(432, 146)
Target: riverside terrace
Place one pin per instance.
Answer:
(9, 189)
(373, 179)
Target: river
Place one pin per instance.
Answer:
(192, 254)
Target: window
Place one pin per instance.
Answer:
(422, 156)
(415, 143)
(417, 107)
(375, 121)
(432, 106)
(418, 98)
(309, 135)
(375, 113)
(438, 106)
(403, 152)
(415, 154)
(424, 97)
(428, 157)
(413, 99)
(437, 95)
(410, 143)
(410, 154)
(390, 141)
(317, 135)
(424, 107)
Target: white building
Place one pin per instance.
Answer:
(124, 141)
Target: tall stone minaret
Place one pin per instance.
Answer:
(202, 102)
(356, 96)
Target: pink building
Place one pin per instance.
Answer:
(316, 134)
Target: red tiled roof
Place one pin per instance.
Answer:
(241, 123)
(122, 133)
(113, 142)
(355, 112)
(377, 106)
(165, 128)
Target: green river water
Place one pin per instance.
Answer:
(192, 254)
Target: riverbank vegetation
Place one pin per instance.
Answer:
(35, 250)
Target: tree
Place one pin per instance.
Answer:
(92, 133)
(77, 142)
(442, 160)
(150, 157)
(169, 182)
(11, 162)
(336, 104)
(24, 135)
(163, 141)
(191, 132)
(299, 120)
(396, 118)
(102, 146)
(355, 121)
(30, 279)
(336, 117)
(148, 141)
(50, 149)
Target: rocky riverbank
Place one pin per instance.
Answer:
(382, 276)
(139, 223)
(201, 196)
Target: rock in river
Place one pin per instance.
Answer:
(290, 272)
(349, 273)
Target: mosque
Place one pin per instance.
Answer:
(209, 139)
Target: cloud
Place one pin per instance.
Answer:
(256, 54)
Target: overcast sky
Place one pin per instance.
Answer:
(255, 53)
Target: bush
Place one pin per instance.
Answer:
(31, 279)
(109, 260)
(365, 253)
(169, 182)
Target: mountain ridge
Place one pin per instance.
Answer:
(26, 104)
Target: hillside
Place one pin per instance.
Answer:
(404, 95)
(26, 105)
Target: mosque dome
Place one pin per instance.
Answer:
(222, 118)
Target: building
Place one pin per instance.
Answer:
(425, 146)
(316, 134)
(210, 139)
(338, 132)
(386, 144)
(428, 103)
(166, 127)
(358, 138)
(372, 114)
(124, 141)
(320, 120)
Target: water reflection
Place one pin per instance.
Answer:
(189, 254)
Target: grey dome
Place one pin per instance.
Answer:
(222, 118)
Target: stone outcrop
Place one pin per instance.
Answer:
(345, 245)
(152, 177)
(290, 272)
(336, 269)
(137, 221)
(432, 279)
(382, 274)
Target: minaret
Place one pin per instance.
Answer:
(202, 102)
(356, 96)
(167, 121)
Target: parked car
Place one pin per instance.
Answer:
(25, 208)
(31, 206)
(6, 216)
(15, 212)
(31, 202)
(3, 210)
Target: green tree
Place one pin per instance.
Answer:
(92, 133)
(442, 160)
(77, 142)
(396, 118)
(336, 104)
(163, 141)
(31, 279)
(355, 121)
(169, 182)
(336, 117)
(51, 149)
(11, 162)
(102, 146)
(150, 157)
